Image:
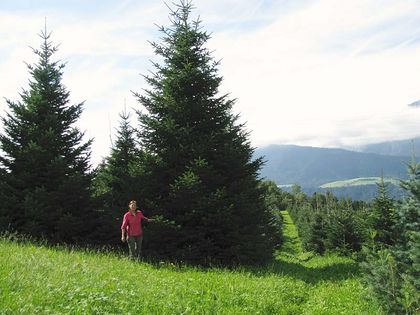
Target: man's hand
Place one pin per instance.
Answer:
(123, 239)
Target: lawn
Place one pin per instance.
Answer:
(36, 279)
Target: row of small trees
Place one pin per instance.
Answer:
(326, 223)
(384, 235)
(189, 163)
(391, 260)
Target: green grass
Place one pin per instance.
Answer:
(43, 280)
(359, 182)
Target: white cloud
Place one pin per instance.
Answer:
(318, 72)
(293, 85)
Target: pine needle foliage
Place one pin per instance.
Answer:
(201, 175)
(117, 182)
(393, 270)
(44, 157)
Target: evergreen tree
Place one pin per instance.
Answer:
(273, 196)
(202, 179)
(4, 201)
(383, 216)
(117, 181)
(316, 233)
(45, 159)
(342, 233)
(393, 271)
(407, 244)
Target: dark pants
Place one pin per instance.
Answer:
(134, 246)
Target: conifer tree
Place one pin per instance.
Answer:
(45, 158)
(407, 244)
(115, 177)
(202, 179)
(383, 215)
(117, 180)
(393, 271)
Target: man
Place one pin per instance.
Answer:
(131, 229)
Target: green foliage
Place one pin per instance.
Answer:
(274, 201)
(45, 161)
(199, 172)
(392, 269)
(326, 223)
(407, 245)
(383, 216)
(343, 233)
(116, 182)
(380, 272)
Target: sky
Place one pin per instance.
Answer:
(324, 73)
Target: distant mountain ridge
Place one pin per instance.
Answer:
(406, 147)
(415, 104)
(313, 167)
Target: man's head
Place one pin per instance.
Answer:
(132, 205)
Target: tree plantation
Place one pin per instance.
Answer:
(190, 165)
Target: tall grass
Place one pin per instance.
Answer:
(46, 280)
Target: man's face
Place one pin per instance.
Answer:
(133, 206)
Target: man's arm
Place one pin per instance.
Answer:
(146, 218)
(124, 228)
(122, 235)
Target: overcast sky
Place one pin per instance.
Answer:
(308, 72)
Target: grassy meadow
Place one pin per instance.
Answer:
(359, 182)
(45, 280)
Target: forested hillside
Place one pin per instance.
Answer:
(312, 167)
(406, 147)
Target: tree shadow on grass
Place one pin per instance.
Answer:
(334, 272)
(307, 271)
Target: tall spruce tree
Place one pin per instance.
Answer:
(200, 173)
(45, 159)
(117, 180)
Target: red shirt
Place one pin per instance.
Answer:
(132, 223)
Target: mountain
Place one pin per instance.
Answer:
(396, 148)
(312, 167)
(362, 192)
(415, 104)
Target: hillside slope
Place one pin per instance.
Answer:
(396, 148)
(41, 280)
(312, 167)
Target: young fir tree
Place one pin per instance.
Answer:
(393, 272)
(407, 244)
(383, 217)
(200, 171)
(45, 158)
(116, 181)
(342, 233)
(316, 234)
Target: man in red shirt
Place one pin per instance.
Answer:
(131, 227)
